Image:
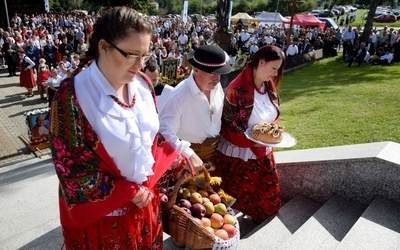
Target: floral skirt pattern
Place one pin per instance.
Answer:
(134, 229)
(254, 183)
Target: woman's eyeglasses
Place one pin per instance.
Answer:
(131, 57)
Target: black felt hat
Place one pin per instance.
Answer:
(209, 58)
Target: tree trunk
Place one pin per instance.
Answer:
(369, 22)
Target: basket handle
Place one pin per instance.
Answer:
(207, 185)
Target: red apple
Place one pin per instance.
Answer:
(184, 203)
(215, 198)
(216, 220)
(198, 221)
(198, 210)
(210, 229)
(222, 234)
(206, 222)
(230, 229)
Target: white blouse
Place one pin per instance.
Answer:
(263, 111)
(126, 133)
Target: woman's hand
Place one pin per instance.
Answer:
(143, 197)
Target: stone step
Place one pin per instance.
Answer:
(273, 232)
(327, 227)
(377, 228)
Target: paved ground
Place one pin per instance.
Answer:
(13, 105)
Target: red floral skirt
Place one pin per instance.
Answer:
(254, 183)
(27, 79)
(135, 229)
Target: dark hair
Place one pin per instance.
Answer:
(114, 25)
(152, 67)
(269, 53)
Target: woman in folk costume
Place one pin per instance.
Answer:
(247, 169)
(106, 149)
(26, 77)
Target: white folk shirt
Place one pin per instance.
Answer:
(126, 133)
(189, 117)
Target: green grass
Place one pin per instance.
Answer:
(360, 20)
(328, 104)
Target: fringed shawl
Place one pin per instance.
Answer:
(238, 106)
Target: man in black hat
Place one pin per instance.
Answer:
(191, 118)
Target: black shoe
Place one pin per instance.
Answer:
(30, 95)
(9, 75)
(15, 75)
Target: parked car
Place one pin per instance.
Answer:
(385, 18)
(326, 13)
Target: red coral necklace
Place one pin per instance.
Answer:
(123, 104)
(259, 91)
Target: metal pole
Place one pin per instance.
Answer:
(8, 19)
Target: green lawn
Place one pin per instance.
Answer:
(360, 20)
(328, 104)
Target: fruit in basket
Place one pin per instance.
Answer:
(215, 198)
(206, 222)
(209, 207)
(184, 203)
(220, 208)
(198, 210)
(163, 198)
(187, 210)
(229, 219)
(216, 220)
(222, 234)
(198, 221)
(196, 198)
(210, 229)
(184, 193)
(230, 229)
(203, 192)
(205, 199)
(163, 190)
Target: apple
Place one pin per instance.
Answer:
(196, 198)
(187, 210)
(220, 208)
(203, 192)
(198, 210)
(209, 207)
(206, 222)
(198, 221)
(216, 220)
(210, 229)
(229, 219)
(230, 229)
(184, 203)
(184, 193)
(205, 199)
(222, 234)
(163, 198)
(214, 198)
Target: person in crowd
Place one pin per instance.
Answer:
(361, 55)
(43, 76)
(40, 129)
(49, 53)
(52, 84)
(9, 50)
(248, 169)
(63, 67)
(348, 41)
(191, 118)
(27, 76)
(292, 50)
(383, 57)
(108, 198)
(162, 90)
(33, 52)
(65, 48)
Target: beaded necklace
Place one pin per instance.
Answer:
(123, 104)
(259, 91)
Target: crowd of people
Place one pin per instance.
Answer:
(115, 129)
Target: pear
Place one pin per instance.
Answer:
(220, 208)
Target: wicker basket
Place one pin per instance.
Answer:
(185, 231)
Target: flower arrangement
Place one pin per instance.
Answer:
(180, 76)
(30, 119)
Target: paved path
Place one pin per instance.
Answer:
(13, 105)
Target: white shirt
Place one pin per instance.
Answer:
(263, 111)
(292, 50)
(189, 117)
(126, 133)
(55, 82)
(163, 98)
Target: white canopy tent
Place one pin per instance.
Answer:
(270, 18)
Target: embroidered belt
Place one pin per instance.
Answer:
(205, 149)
